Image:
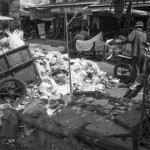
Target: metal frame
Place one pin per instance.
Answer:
(68, 51)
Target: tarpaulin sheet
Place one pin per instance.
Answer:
(84, 45)
(88, 44)
(40, 13)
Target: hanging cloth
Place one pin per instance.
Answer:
(57, 22)
(128, 13)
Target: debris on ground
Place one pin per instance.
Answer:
(50, 99)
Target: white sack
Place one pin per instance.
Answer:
(15, 40)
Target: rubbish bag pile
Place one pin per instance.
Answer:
(53, 70)
(14, 40)
(54, 88)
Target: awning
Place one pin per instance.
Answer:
(40, 13)
(108, 12)
(48, 13)
(5, 18)
(71, 10)
(105, 11)
(140, 12)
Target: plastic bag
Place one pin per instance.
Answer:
(15, 40)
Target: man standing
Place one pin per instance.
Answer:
(136, 38)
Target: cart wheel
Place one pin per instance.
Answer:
(12, 91)
(122, 71)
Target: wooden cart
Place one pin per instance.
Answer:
(16, 69)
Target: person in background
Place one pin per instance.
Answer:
(136, 38)
(51, 31)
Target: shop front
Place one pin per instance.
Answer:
(75, 26)
(53, 16)
(93, 20)
(104, 20)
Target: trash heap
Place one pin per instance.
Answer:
(53, 70)
(51, 97)
(45, 101)
(14, 40)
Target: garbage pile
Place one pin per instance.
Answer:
(53, 70)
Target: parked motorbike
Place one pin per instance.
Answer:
(112, 50)
(29, 34)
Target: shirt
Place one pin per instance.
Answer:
(136, 38)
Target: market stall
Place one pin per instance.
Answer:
(106, 16)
